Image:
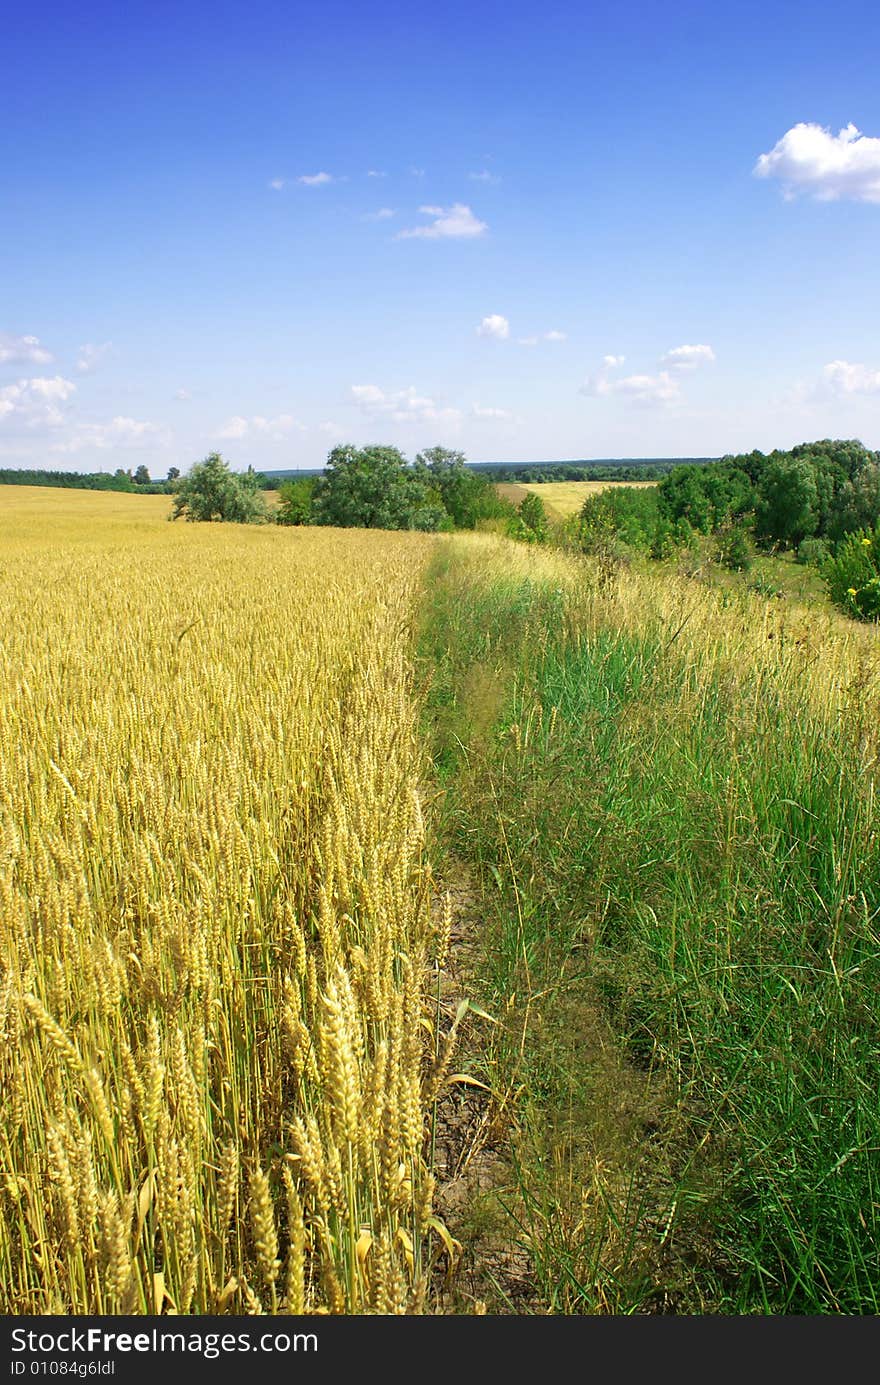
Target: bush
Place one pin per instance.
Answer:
(852, 576)
(210, 492)
(812, 552)
(734, 548)
(295, 505)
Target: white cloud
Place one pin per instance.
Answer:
(277, 184)
(641, 389)
(544, 336)
(274, 429)
(21, 350)
(484, 176)
(120, 432)
(687, 357)
(90, 356)
(315, 180)
(182, 394)
(828, 167)
(494, 326)
(383, 214)
(484, 411)
(847, 378)
(401, 406)
(376, 173)
(234, 427)
(449, 223)
(35, 403)
(416, 172)
(331, 429)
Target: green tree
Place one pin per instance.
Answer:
(210, 491)
(788, 500)
(533, 516)
(852, 576)
(295, 504)
(857, 504)
(173, 473)
(467, 496)
(375, 488)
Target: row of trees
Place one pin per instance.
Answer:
(118, 480)
(361, 487)
(821, 500)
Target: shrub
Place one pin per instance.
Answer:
(734, 548)
(812, 552)
(852, 576)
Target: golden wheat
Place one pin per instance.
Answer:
(214, 927)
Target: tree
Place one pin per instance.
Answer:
(788, 499)
(142, 476)
(375, 488)
(173, 473)
(210, 491)
(295, 506)
(467, 496)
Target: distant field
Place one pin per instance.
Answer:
(561, 498)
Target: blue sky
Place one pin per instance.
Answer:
(542, 231)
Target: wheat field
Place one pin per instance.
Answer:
(561, 498)
(214, 916)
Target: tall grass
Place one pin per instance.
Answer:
(214, 929)
(672, 804)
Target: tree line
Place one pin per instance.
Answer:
(820, 500)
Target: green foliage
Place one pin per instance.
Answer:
(142, 476)
(529, 523)
(788, 500)
(852, 576)
(467, 496)
(857, 504)
(734, 548)
(295, 504)
(812, 552)
(375, 488)
(621, 514)
(211, 492)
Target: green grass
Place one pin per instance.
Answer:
(681, 879)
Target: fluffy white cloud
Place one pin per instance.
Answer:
(273, 429)
(315, 180)
(687, 357)
(662, 388)
(120, 432)
(35, 403)
(376, 173)
(810, 159)
(277, 184)
(494, 326)
(545, 336)
(22, 350)
(401, 406)
(90, 356)
(234, 427)
(484, 411)
(449, 223)
(847, 377)
(383, 214)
